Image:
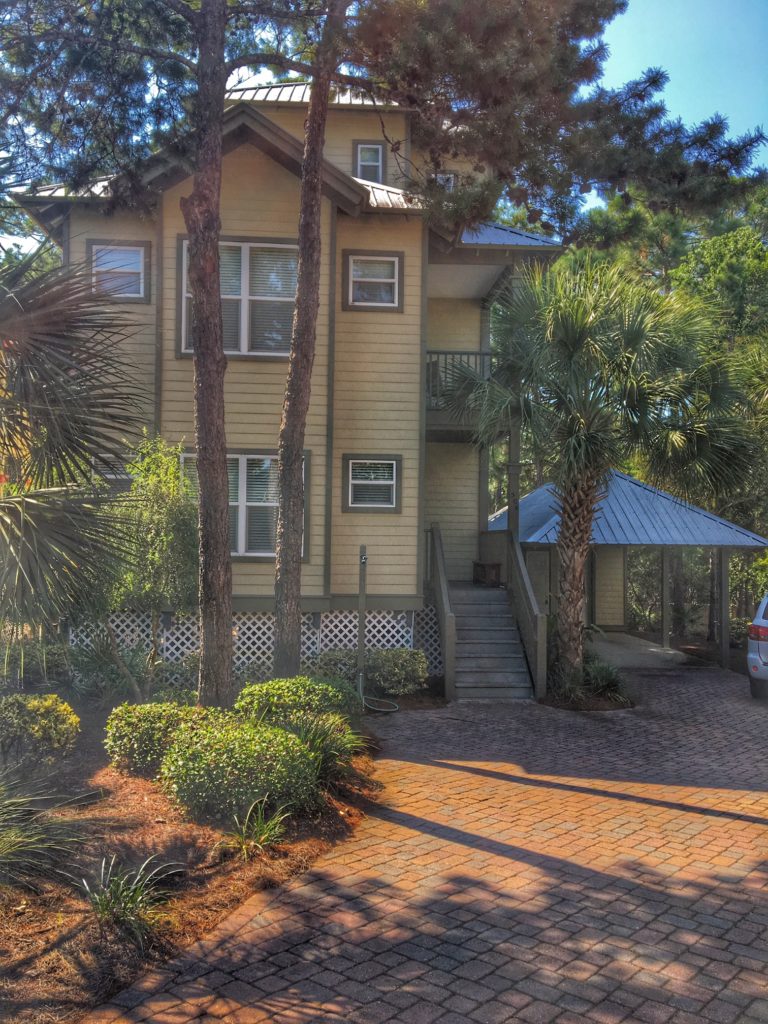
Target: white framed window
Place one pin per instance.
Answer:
(372, 483)
(119, 270)
(369, 162)
(252, 502)
(258, 295)
(446, 180)
(374, 281)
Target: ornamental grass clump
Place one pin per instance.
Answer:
(330, 740)
(279, 698)
(218, 768)
(34, 840)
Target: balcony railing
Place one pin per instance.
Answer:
(442, 370)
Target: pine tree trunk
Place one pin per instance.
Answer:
(290, 469)
(577, 509)
(201, 212)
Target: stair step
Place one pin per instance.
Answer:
(475, 611)
(487, 663)
(494, 693)
(481, 634)
(477, 596)
(496, 677)
(490, 649)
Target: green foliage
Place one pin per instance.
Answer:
(34, 841)
(392, 671)
(576, 688)
(222, 766)
(97, 679)
(33, 661)
(126, 900)
(256, 832)
(138, 736)
(329, 738)
(161, 514)
(280, 697)
(175, 695)
(35, 727)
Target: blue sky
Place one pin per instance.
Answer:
(714, 51)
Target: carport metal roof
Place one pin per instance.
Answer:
(632, 513)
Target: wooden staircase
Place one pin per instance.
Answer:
(490, 661)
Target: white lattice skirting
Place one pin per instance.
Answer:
(254, 634)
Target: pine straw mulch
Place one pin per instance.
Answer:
(55, 964)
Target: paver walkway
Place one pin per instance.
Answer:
(529, 865)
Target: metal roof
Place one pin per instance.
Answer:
(631, 513)
(387, 197)
(296, 94)
(502, 234)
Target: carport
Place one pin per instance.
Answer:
(631, 514)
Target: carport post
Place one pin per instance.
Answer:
(666, 608)
(725, 607)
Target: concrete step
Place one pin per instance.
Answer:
(507, 663)
(492, 677)
(494, 693)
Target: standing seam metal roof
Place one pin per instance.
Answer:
(632, 513)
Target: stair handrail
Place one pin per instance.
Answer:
(531, 621)
(445, 616)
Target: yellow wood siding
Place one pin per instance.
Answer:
(454, 324)
(609, 586)
(139, 347)
(345, 126)
(259, 200)
(451, 499)
(377, 409)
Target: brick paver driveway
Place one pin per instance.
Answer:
(528, 864)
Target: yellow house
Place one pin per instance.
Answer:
(399, 304)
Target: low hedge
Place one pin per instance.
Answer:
(301, 695)
(222, 767)
(36, 726)
(394, 671)
(139, 735)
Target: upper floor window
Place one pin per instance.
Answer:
(369, 161)
(446, 180)
(258, 294)
(120, 270)
(373, 281)
(252, 502)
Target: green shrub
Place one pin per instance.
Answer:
(393, 671)
(175, 695)
(32, 663)
(603, 680)
(223, 766)
(330, 740)
(36, 726)
(139, 735)
(280, 697)
(97, 679)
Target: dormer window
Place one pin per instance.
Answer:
(369, 161)
(446, 180)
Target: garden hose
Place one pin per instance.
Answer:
(386, 707)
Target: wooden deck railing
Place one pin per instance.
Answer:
(531, 621)
(445, 616)
(441, 372)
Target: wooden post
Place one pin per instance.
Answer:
(724, 595)
(666, 606)
(362, 580)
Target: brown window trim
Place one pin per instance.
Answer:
(118, 243)
(397, 508)
(347, 255)
(356, 144)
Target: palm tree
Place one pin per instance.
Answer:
(66, 404)
(600, 369)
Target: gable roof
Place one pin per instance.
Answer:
(632, 513)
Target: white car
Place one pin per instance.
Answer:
(757, 652)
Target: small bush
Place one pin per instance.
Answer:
(34, 843)
(126, 900)
(330, 740)
(175, 695)
(139, 735)
(36, 726)
(281, 697)
(395, 671)
(221, 767)
(97, 679)
(603, 680)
